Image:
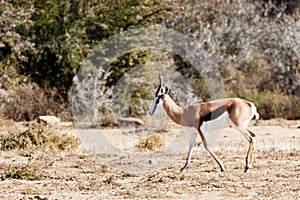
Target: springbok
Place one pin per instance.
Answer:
(206, 116)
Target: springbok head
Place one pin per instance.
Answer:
(159, 97)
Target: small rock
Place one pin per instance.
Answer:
(40, 197)
(66, 124)
(152, 162)
(130, 121)
(48, 119)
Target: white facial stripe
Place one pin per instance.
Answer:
(155, 107)
(152, 107)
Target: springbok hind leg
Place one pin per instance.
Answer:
(249, 158)
(250, 136)
(191, 148)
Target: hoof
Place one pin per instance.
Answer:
(247, 169)
(182, 170)
(223, 170)
(184, 167)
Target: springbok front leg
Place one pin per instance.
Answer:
(191, 148)
(202, 133)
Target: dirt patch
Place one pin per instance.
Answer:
(80, 175)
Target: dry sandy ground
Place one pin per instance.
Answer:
(79, 175)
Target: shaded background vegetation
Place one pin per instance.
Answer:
(256, 45)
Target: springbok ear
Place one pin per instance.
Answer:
(166, 89)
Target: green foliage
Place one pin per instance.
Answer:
(47, 40)
(61, 43)
(38, 136)
(151, 143)
(30, 171)
(14, 21)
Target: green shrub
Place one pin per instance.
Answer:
(38, 136)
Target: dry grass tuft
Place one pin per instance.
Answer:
(151, 143)
(30, 171)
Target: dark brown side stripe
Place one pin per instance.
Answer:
(212, 115)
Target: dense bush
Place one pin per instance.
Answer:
(47, 40)
(29, 101)
(256, 45)
(245, 37)
(15, 19)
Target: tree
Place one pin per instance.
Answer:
(15, 20)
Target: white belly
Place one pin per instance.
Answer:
(222, 121)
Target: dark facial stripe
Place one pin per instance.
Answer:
(157, 91)
(155, 105)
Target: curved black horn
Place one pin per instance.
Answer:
(160, 79)
(160, 84)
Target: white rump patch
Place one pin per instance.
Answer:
(253, 113)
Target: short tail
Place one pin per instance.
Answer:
(255, 113)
